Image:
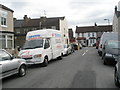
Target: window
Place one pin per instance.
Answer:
(6, 41)
(88, 34)
(82, 34)
(53, 27)
(93, 40)
(47, 44)
(9, 41)
(3, 21)
(4, 56)
(3, 18)
(93, 34)
(2, 41)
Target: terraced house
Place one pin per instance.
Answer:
(22, 26)
(6, 28)
(88, 35)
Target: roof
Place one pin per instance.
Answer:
(29, 23)
(6, 8)
(45, 22)
(93, 29)
(118, 13)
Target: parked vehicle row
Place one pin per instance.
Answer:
(40, 47)
(109, 50)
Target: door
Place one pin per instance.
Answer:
(48, 49)
(8, 65)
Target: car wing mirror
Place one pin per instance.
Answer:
(12, 57)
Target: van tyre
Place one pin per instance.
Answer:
(45, 63)
(22, 71)
(116, 80)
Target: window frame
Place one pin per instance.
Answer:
(3, 19)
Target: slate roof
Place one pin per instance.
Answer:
(93, 29)
(47, 22)
(29, 23)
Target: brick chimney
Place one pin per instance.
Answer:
(25, 18)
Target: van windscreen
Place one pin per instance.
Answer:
(32, 44)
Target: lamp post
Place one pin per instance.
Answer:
(108, 21)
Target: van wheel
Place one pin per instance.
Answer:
(22, 71)
(45, 63)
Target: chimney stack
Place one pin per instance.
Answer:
(115, 8)
(25, 18)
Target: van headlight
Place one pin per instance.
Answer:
(38, 56)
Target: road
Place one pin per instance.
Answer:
(82, 69)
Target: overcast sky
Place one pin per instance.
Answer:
(77, 12)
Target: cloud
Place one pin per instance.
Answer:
(77, 12)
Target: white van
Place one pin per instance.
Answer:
(106, 36)
(41, 46)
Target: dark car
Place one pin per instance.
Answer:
(106, 36)
(117, 73)
(75, 46)
(110, 51)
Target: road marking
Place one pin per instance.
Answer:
(84, 52)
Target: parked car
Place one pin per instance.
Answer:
(110, 51)
(75, 46)
(72, 48)
(106, 36)
(11, 65)
(67, 49)
(117, 73)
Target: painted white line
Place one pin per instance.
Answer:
(84, 52)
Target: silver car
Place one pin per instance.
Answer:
(67, 49)
(9, 65)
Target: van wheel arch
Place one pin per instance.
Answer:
(45, 62)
